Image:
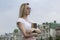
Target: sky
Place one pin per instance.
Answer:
(41, 11)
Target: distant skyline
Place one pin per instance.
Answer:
(41, 11)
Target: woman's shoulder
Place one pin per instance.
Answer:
(20, 20)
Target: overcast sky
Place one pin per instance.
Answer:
(41, 11)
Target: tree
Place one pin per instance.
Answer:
(15, 33)
(15, 30)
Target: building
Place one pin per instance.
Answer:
(7, 36)
(58, 33)
(11, 36)
(52, 28)
(45, 31)
(48, 30)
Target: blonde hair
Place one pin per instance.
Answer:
(22, 9)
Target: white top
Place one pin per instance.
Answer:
(27, 24)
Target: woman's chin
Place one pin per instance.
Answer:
(28, 14)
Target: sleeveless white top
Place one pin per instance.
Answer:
(27, 24)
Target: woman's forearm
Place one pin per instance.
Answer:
(38, 31)
(34, 34)
(27, 35)
(28, 31)
(32, 30)
(30, 35)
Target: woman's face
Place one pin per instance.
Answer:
(27, 9)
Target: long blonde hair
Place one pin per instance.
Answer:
(22, 9)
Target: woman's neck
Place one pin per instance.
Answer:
(25, 17)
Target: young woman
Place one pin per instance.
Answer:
(24, 25)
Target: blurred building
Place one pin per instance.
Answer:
(11, 36)
(6, 36)
(49, 30)
(45, 31)
(58, 33)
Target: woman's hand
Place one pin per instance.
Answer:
(30, 31)
(36, 30)
(34, 34)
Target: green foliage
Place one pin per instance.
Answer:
(15, 30)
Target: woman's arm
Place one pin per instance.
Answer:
(37, 30)
(31, 30)
(21, 27)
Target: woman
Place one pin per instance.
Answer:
(24, 25)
